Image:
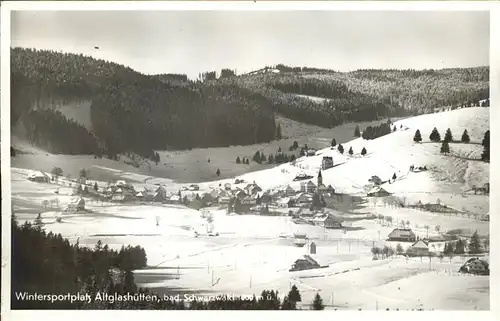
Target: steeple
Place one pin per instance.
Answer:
(320, 178)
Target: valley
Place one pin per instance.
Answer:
(254, 251)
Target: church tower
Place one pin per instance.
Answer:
(320, 178)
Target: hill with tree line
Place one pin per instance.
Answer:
(135, 112)
(365, 95)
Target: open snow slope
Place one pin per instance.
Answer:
(448, 175)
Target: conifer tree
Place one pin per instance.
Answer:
(294, 294)
(448, 137)
(460, 247)
(417, 138)
(218, 172)
(475, 244)
(357, 133)
(318, 303)
(435, 136)
(351, 151)
(445, 147)
(334, 142)
(238, 160)
(465, 137)
(278, 132)
(363, 151)
(485, 156)
(394, 176)
(340, 148)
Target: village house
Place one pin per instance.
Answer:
(311, 152)
(419, 248)
(319, 219)
(174, 199)
(303, 199)
(38, 177)
(147, 195)
(402, 235)
(240, 194)
(307, 187)
(378, 191)
(375, 180)
(215, 193)
(207, 199)
(194, 187)
(322, 189)
(77, 204)
(118, 197)
(248, 200)
(475, 266)
(160, 195)
(332, 223)
(326, 162)
(265, 198)
(123, 184)
(226, 199)
(307, 214)
(330, 190)
(305, 263)
(283, 202)
(252, 189)
(289, 191)
(227, 186)
(191, 197)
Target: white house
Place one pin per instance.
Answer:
(76, 204)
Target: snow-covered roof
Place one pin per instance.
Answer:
(398, 232)
(420, 245)
(77, 200)
(283, 200)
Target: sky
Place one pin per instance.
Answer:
(190, 42)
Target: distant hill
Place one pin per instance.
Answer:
(130, 111)
(327, 98)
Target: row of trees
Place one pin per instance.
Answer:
(445, 147)
(340, 148)
(260, 158)
(373, 132)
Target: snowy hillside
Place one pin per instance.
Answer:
(395, 153)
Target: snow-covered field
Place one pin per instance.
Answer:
(253, 252)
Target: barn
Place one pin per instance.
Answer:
(402, 235)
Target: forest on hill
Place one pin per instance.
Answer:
(365, 95)
(140, 113)
(131, 111)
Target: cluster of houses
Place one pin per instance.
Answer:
(121, 191)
